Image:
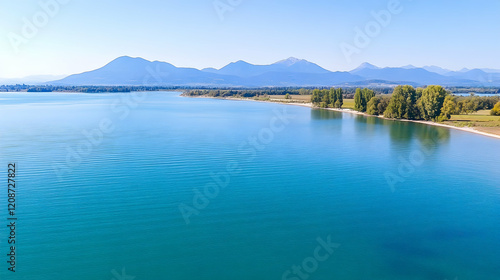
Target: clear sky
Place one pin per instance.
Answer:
(82, 35)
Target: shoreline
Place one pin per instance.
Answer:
(353, 112)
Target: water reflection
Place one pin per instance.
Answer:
(426, 133)
(368, 125)
(403, 135)
(367, 120)
(406, 132)
(321, 114)
(401, 131)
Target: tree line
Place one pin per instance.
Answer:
(347, 93)
(433, 103)
(324, 98)
(481, 90)
(247, 93)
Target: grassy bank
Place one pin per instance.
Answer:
(481, 121)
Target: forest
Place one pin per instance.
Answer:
(432, 103)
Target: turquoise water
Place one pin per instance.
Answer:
(395, 200)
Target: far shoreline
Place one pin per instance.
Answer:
(353, 112)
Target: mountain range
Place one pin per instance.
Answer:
(291, 72)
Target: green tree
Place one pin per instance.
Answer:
(496, 110)
(449, 108)
(403, 104)
(339, 93)
(358, 102)
(333, 97)
(419, 92)
(431, 102)
(287, 96)
(316, 97)
(372, 106)
(368, 94)
(382, 105)
(470, 106)
(325, 98)
(459, 109)
(361, 98)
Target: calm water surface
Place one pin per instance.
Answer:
(101, 179)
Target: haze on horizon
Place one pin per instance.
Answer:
(70, 36)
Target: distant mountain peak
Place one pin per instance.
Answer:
(364, 66)
(129, 58)
(437, 69)
(409, 66)
(239, 63)
(291, 61)
(368, 65)
(124, 57)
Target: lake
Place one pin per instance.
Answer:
(477, 94)
(158, 186)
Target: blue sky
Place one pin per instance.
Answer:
(84, 35)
